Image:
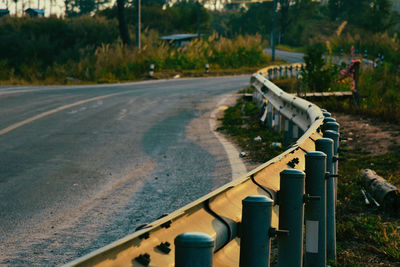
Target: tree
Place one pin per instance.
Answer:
(372, 15)
(317, 76)
(256, 19)
(75, 8)
(378, 16)
(284, 17)
(123, 27)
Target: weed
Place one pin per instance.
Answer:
(242, 123)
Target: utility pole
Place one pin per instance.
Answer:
(138, 24)
(273, 30)
(198, 20)
(123, 28)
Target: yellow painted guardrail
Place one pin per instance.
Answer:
(219, 212)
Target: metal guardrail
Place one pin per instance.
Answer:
(218, 215)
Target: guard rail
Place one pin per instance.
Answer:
(218, 215)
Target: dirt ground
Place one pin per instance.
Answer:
(359, 238)
(372, 135)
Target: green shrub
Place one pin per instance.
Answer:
(318, 75)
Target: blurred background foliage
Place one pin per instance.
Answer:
(233, 36)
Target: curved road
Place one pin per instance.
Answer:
(291, 57)
(83, 166)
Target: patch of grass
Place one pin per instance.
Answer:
(114, 62)
(248, 90)
(366, 235)
(242, 123)
(289, 85)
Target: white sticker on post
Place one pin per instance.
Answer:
(312, 236)
(286, 125)
(295, 131)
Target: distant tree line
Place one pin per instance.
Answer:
(298, 20)
(47, 41)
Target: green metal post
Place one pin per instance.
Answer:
(255, 244)
(326, 120)
(291, 218)
(334, 135)
(194, 250)
(315, 211)
(288, 131)
(329, 119)
(277, 121)
(326, 145)
(326, 114)
(295, 132)
(334, 126)
(269, 115)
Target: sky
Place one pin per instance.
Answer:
(57, 6)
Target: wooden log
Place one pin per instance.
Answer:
(384, 192)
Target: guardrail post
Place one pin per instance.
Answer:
(295, 132)
(330, 125)
(255, 241)
(326, 145)
(335, 137)
(269, 115)
(326, 120)
(287, 131)
(291, 218)
(329, 119)
(277, 121)
(331, 130)
(326, 114)
(194, 250)
(315, 211)
(335, 166)
(300, 133)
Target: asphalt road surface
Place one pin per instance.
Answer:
(291, 57)
(82, 166)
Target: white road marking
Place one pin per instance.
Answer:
(122, 114)
(237, 166)
(50, 112)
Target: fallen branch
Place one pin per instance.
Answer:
(384, 192)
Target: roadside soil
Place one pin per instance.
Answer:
(366, 235)
(374, 136)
